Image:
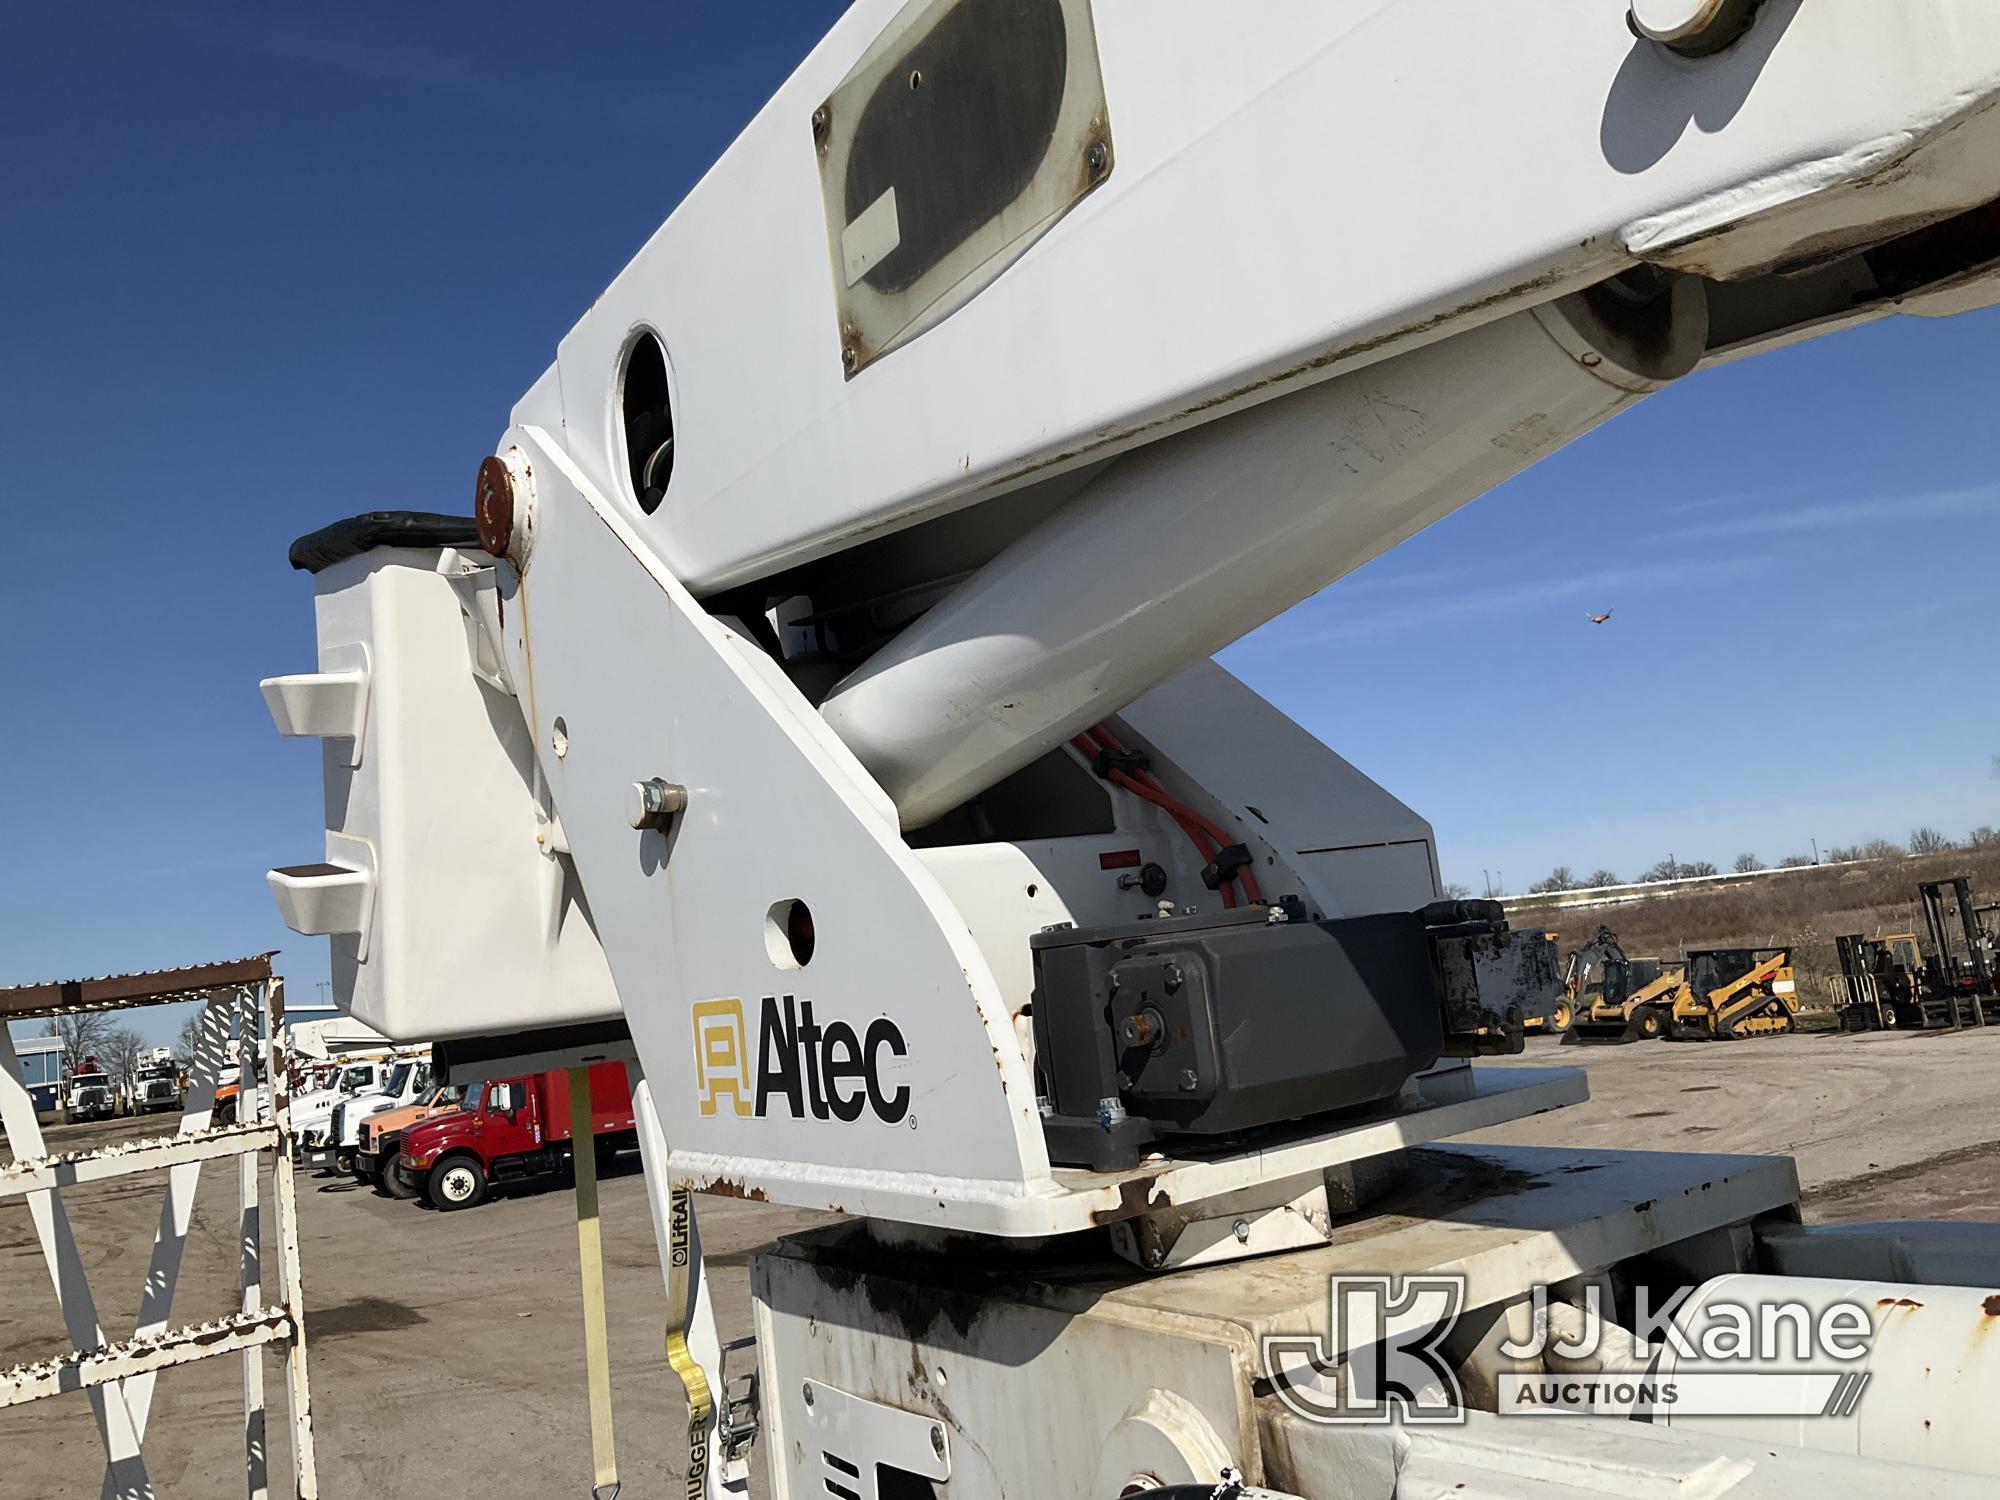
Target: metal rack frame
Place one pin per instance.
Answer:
(243, 1014)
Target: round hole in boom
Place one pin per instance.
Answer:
(788, 934)
(646, 406)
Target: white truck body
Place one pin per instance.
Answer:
(406, 1081)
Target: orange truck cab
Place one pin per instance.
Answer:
(381, 1136)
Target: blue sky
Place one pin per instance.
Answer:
(262, 267)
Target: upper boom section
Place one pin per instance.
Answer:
(1216, 205)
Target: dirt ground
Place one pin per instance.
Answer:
(446, 1350)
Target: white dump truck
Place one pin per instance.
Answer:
(817, 712)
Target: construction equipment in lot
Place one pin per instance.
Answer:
(1564, 1010)
(1881, 981)
(1631, 1001)
(817, 714)
(1895, 982)
(1728, 994)
(1959, 977)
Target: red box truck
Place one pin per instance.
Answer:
(510, 1129)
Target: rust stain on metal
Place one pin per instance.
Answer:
(1135, 1197)
(729, 1187)
(116, 991)
(1896, 1302)
(1991, 1306)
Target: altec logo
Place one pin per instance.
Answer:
(829, 1072)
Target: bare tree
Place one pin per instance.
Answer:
(1928, 840)
(1601, 877)
(1456, 890)
(1561, 878)
(82, 1035)
(1700, 867)
(1842, 854)
(120, 1053)
(1745, 863)
(1985, 836)
(187, 1044)
(1667, 869)
(1881, 849)
(1795, 862)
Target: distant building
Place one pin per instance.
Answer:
(41, 1068)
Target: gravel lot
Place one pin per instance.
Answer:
(446, 1349)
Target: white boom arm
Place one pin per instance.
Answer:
(835, 627)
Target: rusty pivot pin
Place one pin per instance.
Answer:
(493, 506)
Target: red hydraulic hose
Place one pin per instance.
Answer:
(1207, 837)
(1251, 890)
(1203, 844)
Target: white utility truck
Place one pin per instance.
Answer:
(92, 1095)
(312, 1111)
(408, 1080)
(156, 1085)
(817, 712)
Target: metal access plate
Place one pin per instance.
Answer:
(1504, 1217)
(961, 135)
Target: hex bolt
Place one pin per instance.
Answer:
(937, 1440)
(654, 802)
(1188, 1080)
(1693, 28)
(1241, 1229)
(1141, 1028)
(819, 123)
(808, 1393)
(1098, 158)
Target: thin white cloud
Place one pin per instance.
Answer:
(336, 47)
(1828, 514)
(1600, 588)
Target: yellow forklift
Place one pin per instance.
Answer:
(1730, 993)
(1883, 981)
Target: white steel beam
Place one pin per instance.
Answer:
(125, 1468)
(107, 1364)
(249, 1044)
(305, 1469)
(191, 1147)
(156, 1301)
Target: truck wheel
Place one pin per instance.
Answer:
(343, 1163)
(457, 1182)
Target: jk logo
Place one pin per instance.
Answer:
(721, 1059)
(1389, 1328)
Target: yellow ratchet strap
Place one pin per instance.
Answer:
(680, 1308)
(590, 1255)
